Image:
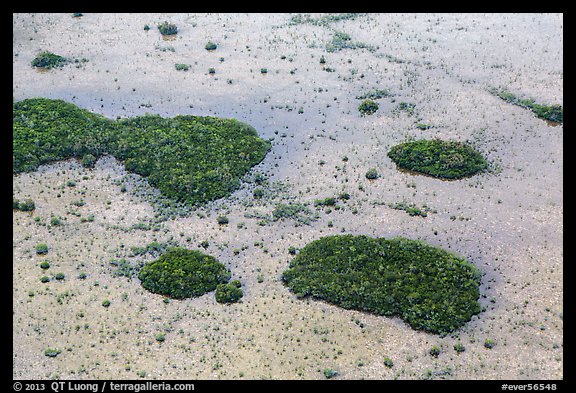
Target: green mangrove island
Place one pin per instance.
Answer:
(193, 159)
(437, 158)
(429, 288)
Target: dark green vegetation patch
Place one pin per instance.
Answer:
(48, 60)
(193, 159)
(429, 288)
(180, 273)
(553, 113)
(437, 158)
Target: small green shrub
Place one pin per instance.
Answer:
(210, 46)
(166, 28)
(459, 347)
(180, 273)
(434, 351)
(437, 158)
(329, 373)
(51, 352)
(48, 60)
(41, 248)
(372, 174)
(489, 343)
(59, 276)
(222, 220)
(26, 205)
(228, 293)
(106, 303)
(45, 265)
(263, 70)
(368, 107)
(388, 362)
(258, 192)
(182, 67)
(44, 279)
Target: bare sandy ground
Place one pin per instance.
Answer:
(508, 222)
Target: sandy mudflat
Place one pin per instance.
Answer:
(508, 222)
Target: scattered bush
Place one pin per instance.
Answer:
(51, 352)
(553, 113)
(372, 174)
(26, 205)
(295, 211)
(368, 107)
(210, 46)
(434, 351)
(48, 60)
(329, 373)
(459, 347)
(437, 158)
(229, 293)
(41, 248)
(374, 94)
(167, 28)
(180, 273)
(222, 220)
(106, 303)
(182, 67)
(45, 265)
(430, 288)
(388, 362)
(489, 343)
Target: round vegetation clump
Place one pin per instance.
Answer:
(166, 28)
(368, 107)
(438, 158)
(48, 60)
(192, 159)
(180, 273)
(429, 288)
(228, 293)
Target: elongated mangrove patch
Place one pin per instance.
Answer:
(429, 288)
(193, 159)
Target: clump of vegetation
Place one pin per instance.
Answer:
(405, 107)
(191, 159)
(368, 107)
(229, 293)
(342, 40)
(182, 67)
(411, 208)
(52, 352)
(329, 373)
(180, 273)
(434, 351)
(322, 20)
(489, 343)
(26, 205)
(553, 113)
(210, 46)
(295, 211)
(41, 248)
(166, 28)
(374, 94)
(388, 362)
(437, 158)
(428, 287)
(372, 174)
(48, 60)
